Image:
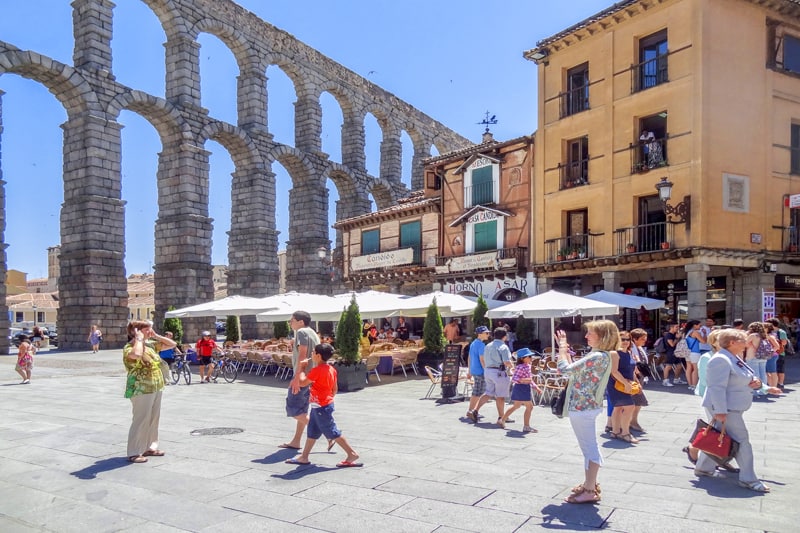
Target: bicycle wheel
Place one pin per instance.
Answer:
(187, 374)
(229, 372)
(174, 373)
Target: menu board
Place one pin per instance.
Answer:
(450, 368)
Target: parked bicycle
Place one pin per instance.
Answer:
(226, 367)
(180, 368)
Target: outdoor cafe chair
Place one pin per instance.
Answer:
(435, 377)
(372, 367)
(552, 386)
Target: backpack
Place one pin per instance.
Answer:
(660, 346)
(682, 350)
(764, 350)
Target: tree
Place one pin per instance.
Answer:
(174, 325)
(348, 334)
(433, 331)
(479, 317)
(232, 329)
(280, 329)
(525, 333)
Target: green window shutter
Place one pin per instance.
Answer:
(370, 242)
(486, 236)
(411, 237)
(482, 186)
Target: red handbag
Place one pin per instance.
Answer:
(714, 442)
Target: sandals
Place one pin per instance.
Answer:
(574, 498)
(637, 428)
(689, 455)
(153, 453)
(577, 489)
(137, 459)
(756, 486)
(627, 437)
(500, 422)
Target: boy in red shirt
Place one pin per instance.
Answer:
(320, 420)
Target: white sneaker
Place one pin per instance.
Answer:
(679, 381)
(666, 383)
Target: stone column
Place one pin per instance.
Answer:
(753, 284)
(308, 123)
(92, 23)
(308, 232)
(92, 287)
(5, 345)
(696, 287)
(353, 142)
(391, 156)
(611, 281)
(183, 273)
(421, 151)
(252, 99)
(183, 71)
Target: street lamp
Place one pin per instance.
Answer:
(34, 315)
(652, 286)
(576, 287)
(682, 211)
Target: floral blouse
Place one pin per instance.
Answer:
(521, 371)
(143, 378)
(588, 377)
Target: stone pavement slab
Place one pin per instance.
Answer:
(63, 467)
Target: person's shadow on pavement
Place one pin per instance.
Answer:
(572, 517)
(103, 465)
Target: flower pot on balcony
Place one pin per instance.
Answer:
(559, 257)
(793, 248)
(665, 245)
(631, 249)
(581, 255)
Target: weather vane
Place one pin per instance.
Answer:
(488, 121)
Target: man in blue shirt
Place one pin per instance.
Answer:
(475, 371)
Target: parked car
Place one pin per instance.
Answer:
(15, 334)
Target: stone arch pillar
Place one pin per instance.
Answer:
(92, 284)
(5, 345)
(183, 273)
(308, 123)
(183, 71)
(354, 141)
(422, 150)
(92, 28)
(391, 155)
(308, 232)
(252, 99)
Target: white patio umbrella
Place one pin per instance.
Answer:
(552, 305)
(373, 304)
(449, 305)
(230, 306)
(626, 300)
(321, 307)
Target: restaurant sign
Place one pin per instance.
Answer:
(474, 262)
(383, 259)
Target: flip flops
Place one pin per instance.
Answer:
(331, 444)
(153, 453)
(294, 461)
(348, 464)
(137, 459)
(288, 446)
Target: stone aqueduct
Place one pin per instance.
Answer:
(92, 279)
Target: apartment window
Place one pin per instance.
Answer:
(791, 53)
(578, 228)
(19, 316)
(576, 97)
(795, 148)
(575, 171)
(481, 182)
(485, 235)
(653, 66)
(411, 237)
(650, 150)
(370, 242)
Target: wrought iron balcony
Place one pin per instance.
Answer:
(479, 194)
(572, 248)
(574, 174)
(573, 101)
(649, 73)
(790, 240)
(644, 238)
(649, 155)
(486, 261)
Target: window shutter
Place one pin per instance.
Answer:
(410, 237)
(486, 236)
(482, 186)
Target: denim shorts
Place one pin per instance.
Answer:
(297, 404)
(772, 364)
(321, 422)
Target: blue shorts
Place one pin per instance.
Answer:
(321, 422)
(772, 364)
(297, 404)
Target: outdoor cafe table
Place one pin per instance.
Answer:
(386, 364)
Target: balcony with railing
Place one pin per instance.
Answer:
(644, 238)
(650, 73)
(572, 248)
(574, 174)
(648, 155)
(485, 261)
(573, 101)
(790, 240)
(479, 194)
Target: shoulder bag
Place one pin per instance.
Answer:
(682, 350)
(557, 403)
(714, 442)
(635, 388)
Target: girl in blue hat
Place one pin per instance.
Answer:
(522, 381)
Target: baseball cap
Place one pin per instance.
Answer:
(206, 334)
(481, 329)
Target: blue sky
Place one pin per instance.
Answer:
(452, 59)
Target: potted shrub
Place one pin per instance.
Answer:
(479, 317)
(433, 337)
(280, 330)
(631, 248)
(352, 372)
(581, 252)
(174, 325)
(562, 254)
(232, 329)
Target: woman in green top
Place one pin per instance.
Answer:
(144, 387)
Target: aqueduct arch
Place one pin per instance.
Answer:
(92, 281)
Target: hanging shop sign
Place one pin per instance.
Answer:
(383, 259)
(474, 262)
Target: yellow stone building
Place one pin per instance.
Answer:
(700, 94)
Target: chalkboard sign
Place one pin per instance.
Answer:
(450, 367)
